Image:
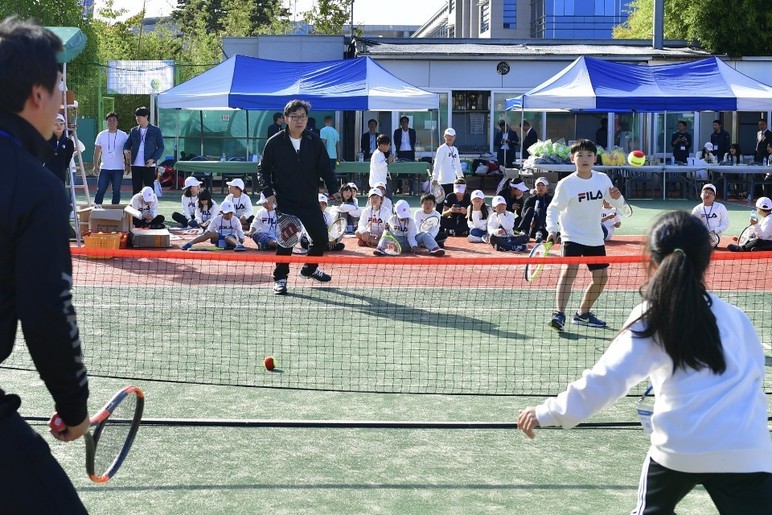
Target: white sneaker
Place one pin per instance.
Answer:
(280, 287)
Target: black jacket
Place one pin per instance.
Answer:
(396, 139)
(529, 139)
(364, 144)
(294, 176)
(36, 268)
(59, 163)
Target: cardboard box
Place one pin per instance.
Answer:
(150, 238)
(111, 218)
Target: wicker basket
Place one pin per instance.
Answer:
(103, 240)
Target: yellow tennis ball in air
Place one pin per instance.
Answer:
(636, 158)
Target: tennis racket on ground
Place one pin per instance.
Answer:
(390, 245)
(288, 229)
(745, 235)
(112, 433)
(428, 224)
(626, 211)
(337, 229)
(532, 270)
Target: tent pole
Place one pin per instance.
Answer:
(522, 136)
(664, 158)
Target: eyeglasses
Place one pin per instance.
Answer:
(298, 118)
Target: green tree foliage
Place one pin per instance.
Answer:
(329, 16)
(737, 28)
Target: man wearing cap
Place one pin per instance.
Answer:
(108, 148)
(36, 274)
(63, 147)
(454, 210)
(712, 214)
(447, 163)
(146, 203)
(533, 220)
(515, 195)
(404, 140)
(294, 161)
(142, 150)
(720, 140)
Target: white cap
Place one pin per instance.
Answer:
(709, 146)
(322, 198)
(191, 181)
(459, 188)
(542, 180)
(709, 186)
(519, 184)
(375, 191)
(478, 194)
(498, 199)
(379, 185)
(227, 207)
(60, 117)
(450, 131)
(352, 185)
(236, 182)
(764, 203)
(402, 208)
(148, 195)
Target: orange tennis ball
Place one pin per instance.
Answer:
(636, 158)
(269, 363)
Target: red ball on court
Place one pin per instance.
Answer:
(269, 363)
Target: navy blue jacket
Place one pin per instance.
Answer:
(154, 143)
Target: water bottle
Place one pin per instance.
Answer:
(754, 216)
(222, 157)
(360, 157)
(726, 158)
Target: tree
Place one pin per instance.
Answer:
(329, 16)
(705, 23)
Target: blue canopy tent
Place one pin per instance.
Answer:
(242, 82)
(595, 85)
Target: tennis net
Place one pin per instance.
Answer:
(389, 325)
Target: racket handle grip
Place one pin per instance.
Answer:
(56, 423)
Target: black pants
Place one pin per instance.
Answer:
(528, 216)
(661, 489)
(313, 222)
(141, 176)
(31, 480)
(155, 223)
(407, 155)
(456, 223)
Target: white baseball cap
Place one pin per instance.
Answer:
(764, 203)
(191, 181)
(542, 180)
(709, 186)
(352, 185)
(519, 184)
(374, 191)
(322, 198)
(227, 207)
(478, 194)
(459, 188)
(148, 195)
(379, 185)
(498, 199)
(450, 131)
(236, 182)
(403, 209)
(709, 146)
(60, 117)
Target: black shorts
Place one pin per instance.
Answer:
(572, 249)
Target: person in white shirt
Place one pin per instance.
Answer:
(224, 230)
(108, 149)
(349, 206)
(241, 202)
(206, 209)
(575, 209)
(706, 365)
(379, 163)
(262, 230)
(145, 203)
(372, 223)
(447, 164)
(713, 214)
(385, 200)
(430, 239)
(189, 200)
(501, 228)
(477, 218)
(609, 220)
(761, 228)
(402, 226)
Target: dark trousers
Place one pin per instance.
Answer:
(31, 480)
(313, 222)
(455, 223)
(141, 176)
(155, 223)
(106, 178)
(661, 489)
(408, 155)
(528, 218)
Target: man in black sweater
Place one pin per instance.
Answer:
(35, 273)
(294, 161)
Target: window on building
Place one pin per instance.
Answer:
(485, 17)
(510, 14)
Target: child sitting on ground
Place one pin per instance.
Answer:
(432, 239)
(477, 218)
(501, 224)
(761, 228)
(146, 204)
(263, 227)
(241, 202)
(190, 194)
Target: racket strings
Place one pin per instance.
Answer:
(111, 440)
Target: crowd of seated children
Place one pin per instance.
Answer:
(224, 230)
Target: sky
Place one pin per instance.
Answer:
(366, 12)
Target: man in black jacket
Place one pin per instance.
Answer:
(35, 273)
(404, 140)
(529, 138)
(294, 161)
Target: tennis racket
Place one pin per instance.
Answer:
(288, 229)
(439, 193)
(532, 270)
(389, 245)
(428, 224)
(337, 229)
(745, 235)
(112, 433)
(626, 210)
